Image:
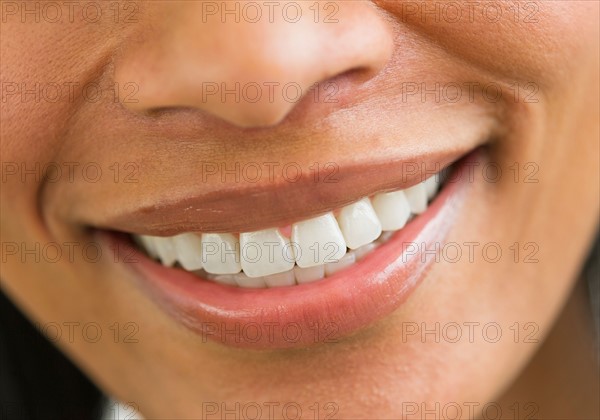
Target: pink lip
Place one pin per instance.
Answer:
(303, 315)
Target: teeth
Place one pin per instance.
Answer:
(227, 279)
(431, 186)
(392, 209)
(359, 224)
(147, 242)
(359, 253)
(165, 249)
(319, 241)
(280, 279)
(346, 261)
(319, 247)
(188, 250)
(266, 252)
(309, 274)
(417, 198)
(220, 253)
(243, 280)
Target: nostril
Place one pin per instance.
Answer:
(349, 79)
(181, 67)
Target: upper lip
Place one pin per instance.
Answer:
(244, 206)
(170, 196)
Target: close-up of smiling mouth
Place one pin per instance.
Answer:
(325, 276)
(304, 252)
(369, 209)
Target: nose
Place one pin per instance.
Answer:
(248, 63)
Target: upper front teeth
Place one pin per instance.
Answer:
(417, 198)
(186, 246)
(319, 241)
(266, 252)
(318, 247)
(165, 249)
(392, 209)
(359, 224)
(220, 253)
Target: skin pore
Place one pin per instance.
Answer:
(372, 54)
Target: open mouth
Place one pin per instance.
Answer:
(304, 252)
(315, 280)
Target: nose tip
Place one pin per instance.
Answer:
(248, 73)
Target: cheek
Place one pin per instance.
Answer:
(46, 69)
(534, 41)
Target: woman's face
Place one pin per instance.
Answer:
(166, 117)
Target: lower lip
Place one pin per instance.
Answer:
(299, 316)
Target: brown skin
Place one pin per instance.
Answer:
(170, 371)
(570, 389)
